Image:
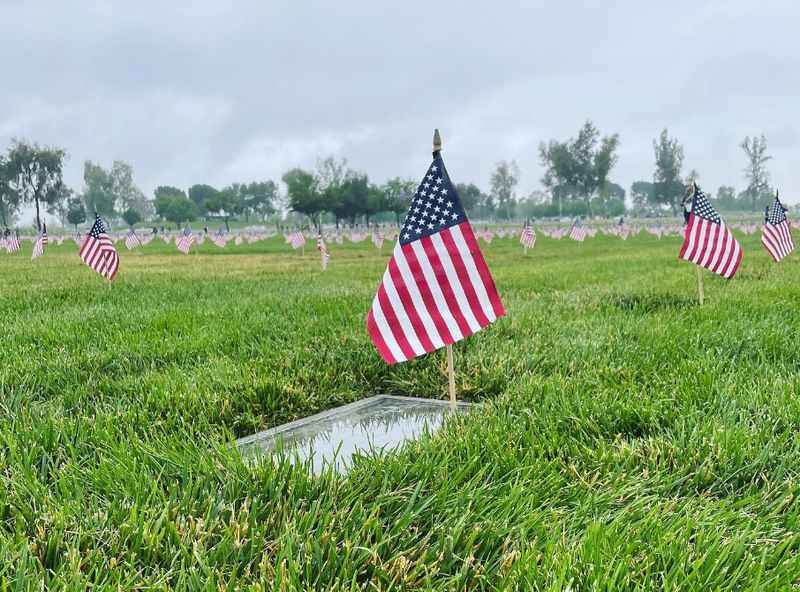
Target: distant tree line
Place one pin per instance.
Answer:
(576, 182)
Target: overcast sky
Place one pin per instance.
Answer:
(216, 92)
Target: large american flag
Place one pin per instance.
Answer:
(578, 231)
(707, 241)
(39, 244)
(185, 241)
(98, 252)
(437, 288)
(528, 237)
(777, 233)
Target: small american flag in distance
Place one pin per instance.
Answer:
(578, 231)
(40, 243)
(185, 241)
(325, 255)
(707, 241)
(437, 288)
(98, 252)
(528, 237)
(776, 235)
(132, 240)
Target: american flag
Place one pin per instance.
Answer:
(777, 233)
(12, 241)
(578, 230)
(185, 241)
(98, 252)
(132, 240)
(323, 251)
(219, 239)
(437, 288)
(377, 239)
(528, 237)
(40, 243)
(707, 241)
(297, 239)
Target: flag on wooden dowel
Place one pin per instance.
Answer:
(297, 239)
(707, 241)
(776, 235)
(40, 243)
(185, 241)
(132, 240)
(528, 237)
(437, 288)
(98, 252)
(323, 251)
(578, 231)
(12, 241)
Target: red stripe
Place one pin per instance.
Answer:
(483, 270)
(408, 305)
(377, 339)
(394, 325)
(706, 250)
(719, 246)
(463, 277)
(425, 292)
(687, 233)
(444, 283)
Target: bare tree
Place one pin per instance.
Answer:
(756, 170)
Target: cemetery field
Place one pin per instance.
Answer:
(626, 438)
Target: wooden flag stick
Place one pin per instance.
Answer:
(700, 293)
(451, 374)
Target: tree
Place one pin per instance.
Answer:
(125, 192)
(98, 192)
(471, 196)
(504, 179)
(59, 204)
(643, 196)
(579, 167)
(397, 196)
(76, 212)
(131, 216)
(756, 170)
(304, 196)
(201, 195)
(668, 187)
(228, 202)
(36, 174)
(168, 191)
(354, 198)
(9, 196)
(174, 206)
(258, 199)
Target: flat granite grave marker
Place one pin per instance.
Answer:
(382, 423)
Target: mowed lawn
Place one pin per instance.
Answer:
(626, 438)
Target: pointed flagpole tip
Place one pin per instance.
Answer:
(437, 141)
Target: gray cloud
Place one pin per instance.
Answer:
(219, 92)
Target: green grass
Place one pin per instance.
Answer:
(627, 439)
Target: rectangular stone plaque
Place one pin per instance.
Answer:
(382, 423)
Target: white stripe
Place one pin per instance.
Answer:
(386, 332)
(720, 256)
(416, 297)
(401, 314)
(436, 291)
(455, 282)
(472, 270)
(732, 266)
(692, 236)
(700, 237)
